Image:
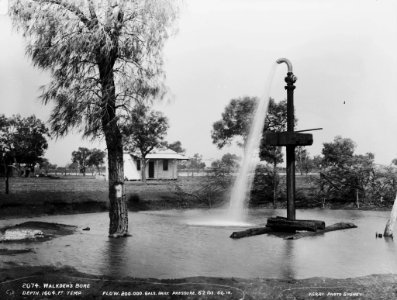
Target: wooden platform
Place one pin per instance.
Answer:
(294, 236)
(284, 225)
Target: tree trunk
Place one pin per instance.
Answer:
(274, 184)
(391, 222)
(6, 178)
(143, 170)
(357, 199)
(118, 212)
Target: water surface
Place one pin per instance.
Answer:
(168, 244)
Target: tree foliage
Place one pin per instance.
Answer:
(95, 50)
(46, 166)
(263, 185)
(235, 122)
(85, 158)
(338, 152)
(96, 159)
(7, 131)
(394, 161)
(175, 146)
(351, 177)
(228, 164)
(144, 130)
(30, 139)
(81, 158)
(304, 163)
(195, 163)
(23, 140)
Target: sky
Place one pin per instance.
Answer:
(344, 54)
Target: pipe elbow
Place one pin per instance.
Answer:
(287, 61)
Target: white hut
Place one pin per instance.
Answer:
(161, 164)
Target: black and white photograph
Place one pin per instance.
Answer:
(198, 149)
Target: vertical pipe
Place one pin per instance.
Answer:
(290, 80)
(291, 183)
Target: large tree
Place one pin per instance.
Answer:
(338, 152)
(81, 157)
(6, 147)
(101, 55)
(235, 122)
(22, 142)
(345, 175)
(29, 139)
(96, 159)
(144, 130)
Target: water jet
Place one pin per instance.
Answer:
(242, 186)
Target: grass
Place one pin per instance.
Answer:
(71, 194)
(78, 194)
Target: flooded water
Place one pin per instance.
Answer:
(168, 244)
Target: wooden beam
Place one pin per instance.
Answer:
(320, 224)
(250, 232)
(334, 227)
(288, 139)
(286, 225)
(265, 230)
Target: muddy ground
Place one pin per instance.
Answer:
(47, 282)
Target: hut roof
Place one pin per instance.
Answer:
(162, 154)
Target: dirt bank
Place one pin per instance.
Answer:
(30, 232)
(66, 283)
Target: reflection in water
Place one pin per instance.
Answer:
(217, 218)
(288, 270)
(115, 257)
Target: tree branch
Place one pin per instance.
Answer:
(70, 8)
